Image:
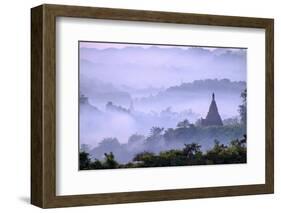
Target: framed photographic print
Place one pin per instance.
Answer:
(136, 106)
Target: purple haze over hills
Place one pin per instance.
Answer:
(160, 81)
(157, 66)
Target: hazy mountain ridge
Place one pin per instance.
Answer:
(196, 95)
(169, 66)
(210, 84)
(140, 53)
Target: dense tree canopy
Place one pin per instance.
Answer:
(179, 146)
(191, 154)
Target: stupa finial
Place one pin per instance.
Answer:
(213, 117)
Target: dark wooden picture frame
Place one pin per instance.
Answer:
(43, 105)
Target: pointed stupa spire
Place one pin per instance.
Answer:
(213, 117)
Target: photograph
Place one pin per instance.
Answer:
(161, 105)
(139, 105)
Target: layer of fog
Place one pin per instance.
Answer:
(107, 122)
(156, 67)
(153, 87)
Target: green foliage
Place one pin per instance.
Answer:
(84, 160)
(110, 162)
(85, 163)
(236, 152)
(166, 139)
(202, 135)
(143, 156)
(96, 164)
(191, 154)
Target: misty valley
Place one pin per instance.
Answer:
(161, 105)
(116, 136)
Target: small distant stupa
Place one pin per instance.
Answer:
(213, 117)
